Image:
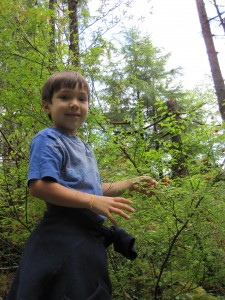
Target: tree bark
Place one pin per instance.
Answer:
(52, 47)
(212, 56)
(178, 167)
(74, 32)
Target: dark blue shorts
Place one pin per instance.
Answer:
(63, 259)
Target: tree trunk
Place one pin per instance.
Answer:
(52, 47)
(178, 166)
(212, 56)
(74, 33)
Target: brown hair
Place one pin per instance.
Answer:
(63, 79)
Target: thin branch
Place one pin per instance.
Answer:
(25, 57)
(122, 148)
(11, 203)
(8, 268)
(102, 17)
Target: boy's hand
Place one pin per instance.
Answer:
(144, 185)
(107, 206)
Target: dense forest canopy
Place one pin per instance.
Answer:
(140, 122)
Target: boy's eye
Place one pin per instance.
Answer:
(82, 99)
(65, 97)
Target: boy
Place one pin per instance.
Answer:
(65, 256)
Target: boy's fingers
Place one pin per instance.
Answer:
(122, 200)
(122, 206)
(112, 220)
(120, 213)
(148, 180)
(116, 207)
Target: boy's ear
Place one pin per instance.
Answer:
(46, 106)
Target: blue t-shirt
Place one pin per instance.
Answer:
(66, 159)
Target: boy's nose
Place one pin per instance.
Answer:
(74, 103)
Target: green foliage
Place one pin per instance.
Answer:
(180, 230)
(180, 242)
(139, 123)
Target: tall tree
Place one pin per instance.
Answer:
(52, 45)
(74, 33)
(178, 168)
(131, 90)
(212, 56)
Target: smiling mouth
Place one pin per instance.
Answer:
(72, 115)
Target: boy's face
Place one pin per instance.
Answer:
(68, 109)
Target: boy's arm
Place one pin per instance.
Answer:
(57, 194)
(142, 184)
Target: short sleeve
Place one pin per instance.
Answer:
(46, 154)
